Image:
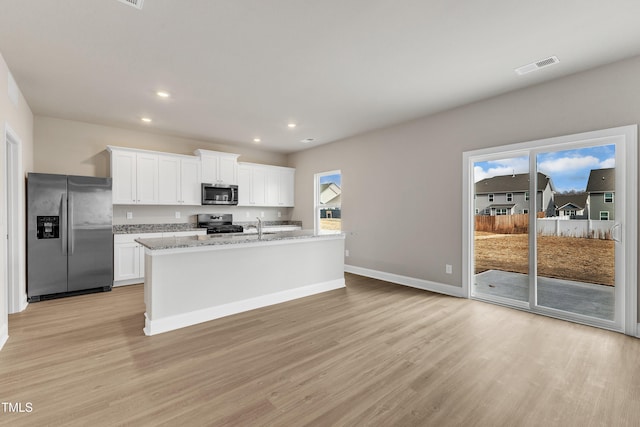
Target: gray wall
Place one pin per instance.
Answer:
(78, 148)
(402, 201)
(20, 119)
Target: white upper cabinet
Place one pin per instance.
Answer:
(218, 167)
(251, 185)
(135, 177)
(169, 180)
(244, 185)
(154, 178)
(264, 185)
(287, 187)
(190, 180)
(179, 180)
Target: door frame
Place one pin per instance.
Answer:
(628, 135)
(13, 206)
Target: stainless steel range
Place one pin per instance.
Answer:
(218, 223)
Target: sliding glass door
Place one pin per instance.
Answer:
(575, 239)
(547, 227)
(501, 230)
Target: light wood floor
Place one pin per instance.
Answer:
(371, 354)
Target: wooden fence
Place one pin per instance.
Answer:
(504, 224)
(519, 224)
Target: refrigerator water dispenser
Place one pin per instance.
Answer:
(48, 227)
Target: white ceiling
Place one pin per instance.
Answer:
(241, 69)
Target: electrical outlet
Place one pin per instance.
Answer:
(177, 214)
(448, 269)
(346, 252)
(262, 214)
(129, 215)
(279, 214)
(247, 214)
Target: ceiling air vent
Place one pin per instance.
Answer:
(535, 66)
(135, 3)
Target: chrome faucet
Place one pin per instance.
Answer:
(259, 227)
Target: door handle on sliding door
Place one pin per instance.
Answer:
(612, 231)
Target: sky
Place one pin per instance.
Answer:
(331, 178)
(568, 169)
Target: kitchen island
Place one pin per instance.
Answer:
(190, 280)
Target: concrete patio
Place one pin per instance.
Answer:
(575, 297)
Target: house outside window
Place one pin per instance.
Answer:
(604, 215)
(509, 197)
(501, 211)
(491, 197)
(328, 196)
(526, 196)
(608, 197)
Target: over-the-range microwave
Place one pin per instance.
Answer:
(219, 194)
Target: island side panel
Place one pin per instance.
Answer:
(183, 288)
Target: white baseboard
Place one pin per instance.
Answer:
(136, 281)
(406, 281)
(153, 327)
(4, 335)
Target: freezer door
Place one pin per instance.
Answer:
(90, 246)
(46, 234)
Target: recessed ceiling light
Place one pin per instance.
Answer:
(163, 94)
(291, 125)
(146, 119)
(306, 140)
(256, 140)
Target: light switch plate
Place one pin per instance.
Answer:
(177, 214)
(129, 215)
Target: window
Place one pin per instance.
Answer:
(328, 196)
(491, 197)
(525, 211)
(608, 197)
(604, 215)
(509, 197)
(526, 196)
(477, 211)
(501, 211)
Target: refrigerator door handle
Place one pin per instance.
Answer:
(72, 239)
(63, 222)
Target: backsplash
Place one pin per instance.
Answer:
(150, 214)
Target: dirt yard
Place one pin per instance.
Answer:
(330, 224)
(571, 258)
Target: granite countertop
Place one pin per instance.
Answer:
(153, 228)
(161, 243)
(161, 228)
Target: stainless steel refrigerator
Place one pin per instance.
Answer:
(69, 235)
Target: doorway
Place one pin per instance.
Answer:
(14, 249)
(550, 227)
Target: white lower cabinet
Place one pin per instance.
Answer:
(128, 255)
